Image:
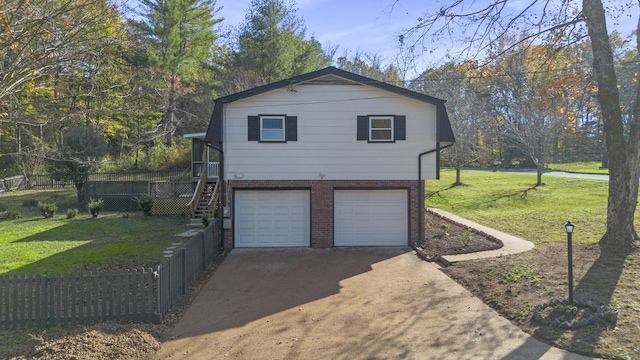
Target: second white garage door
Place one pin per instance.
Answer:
(278, 218)
(370, 218)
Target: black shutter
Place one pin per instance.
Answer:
(292, 128)
(254, 128)
(363, 127)
(400, 127)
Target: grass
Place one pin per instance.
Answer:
(580, 167)
(58, 245)
(536, 214)
(511, 284)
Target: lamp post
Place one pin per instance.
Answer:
(569, 226)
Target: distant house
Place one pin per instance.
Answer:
(324, 159)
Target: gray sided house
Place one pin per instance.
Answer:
(324, 159)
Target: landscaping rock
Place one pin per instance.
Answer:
(565, 325)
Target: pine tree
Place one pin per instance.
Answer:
(182, 36)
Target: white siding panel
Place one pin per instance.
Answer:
(327, 124)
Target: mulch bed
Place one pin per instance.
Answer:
(447, 237)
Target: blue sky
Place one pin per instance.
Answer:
(372, 26)
(367, 26)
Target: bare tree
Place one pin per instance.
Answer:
(451, 82)
(560, 23)
(37, 37)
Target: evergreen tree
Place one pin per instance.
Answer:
(182, 36)
(270, 45)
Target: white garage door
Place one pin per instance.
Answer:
(371, 218)
(272, 218)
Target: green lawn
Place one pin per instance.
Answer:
(510, 203)
(580, 167)
(34, 244)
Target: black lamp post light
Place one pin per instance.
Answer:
(569, 226)
(547, 314)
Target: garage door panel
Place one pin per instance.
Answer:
(272, 218)
(370, 218)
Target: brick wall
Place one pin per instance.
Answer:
(322, 203)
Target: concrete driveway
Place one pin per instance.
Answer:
(343, 303)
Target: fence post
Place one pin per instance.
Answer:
(183, 251)
(204, 249)
(160, 301)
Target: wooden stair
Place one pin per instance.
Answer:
(203, 204)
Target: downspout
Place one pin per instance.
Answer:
(421, 187)
(223, 189)
(222, 192)
(421, 191)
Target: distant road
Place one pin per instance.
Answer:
(564, 174)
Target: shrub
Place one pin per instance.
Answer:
(46, 209)
(206, 219)
(11, 215)
(125, 215)
(30, 203)
(95, 207)
(71, 213)
(3, 207)
(146, 203)
(155, 157)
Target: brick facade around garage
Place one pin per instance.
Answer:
(322, 198)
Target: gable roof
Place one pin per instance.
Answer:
(444, 134)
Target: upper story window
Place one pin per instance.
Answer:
(381, 128)
(272, 128)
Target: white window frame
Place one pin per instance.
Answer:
(372, 129)
(278, 117)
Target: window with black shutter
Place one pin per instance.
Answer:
(381, 128)
(273, 128)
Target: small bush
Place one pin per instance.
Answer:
(11, 215)
(444, 226)
(47, 210)
(125, 215)
(71, 213)
(30, 203)
(206, 219)
(146, 203)
(95, 207)
(3, 207)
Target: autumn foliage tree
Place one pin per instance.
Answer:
(561, 24)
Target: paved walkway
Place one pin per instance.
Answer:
(512, 244)
(603, 177)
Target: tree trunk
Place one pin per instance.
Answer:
(605, 159)
(539, 170)
(624, 157)
(458, 182)
(170, 112)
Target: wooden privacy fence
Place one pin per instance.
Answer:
(70, 299)
(144, 295)
(185, 264)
